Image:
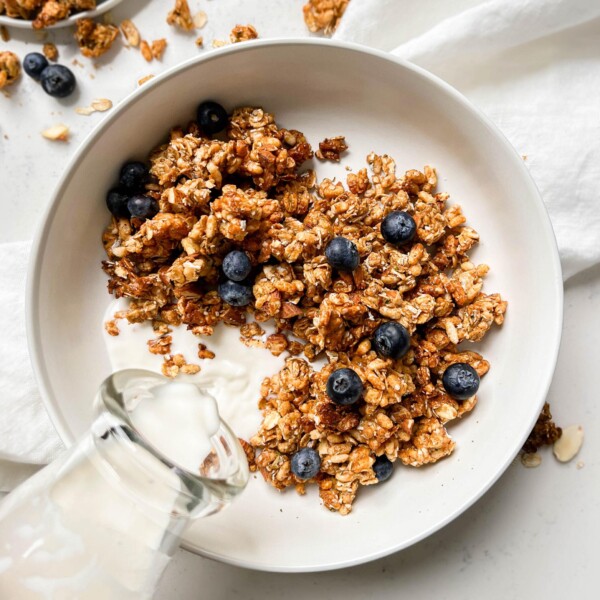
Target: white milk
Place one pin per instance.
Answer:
(75, 531)
(178, 420)
(233, 377)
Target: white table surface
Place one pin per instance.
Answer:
(533, 535)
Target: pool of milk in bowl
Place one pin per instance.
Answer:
(233, 376)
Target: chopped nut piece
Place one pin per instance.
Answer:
(243, 33)
(158, 48)
(85, 110)
(50, 51)
(199, 41)
(219, 43)
(57, 133)
(331, 148)
(160, 345)
(181, 16)
(10, 68)
(146, 50)
(131, 33)
(568, 445)
(94, 39)
(200, 19)
(324, 15)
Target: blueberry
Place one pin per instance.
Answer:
(344, 387)
(306, 463)
(342, 254)
(383, 468)
(133, 177)
(234, 293)
(391, 340)
(117, 203)
(398, 227)
(212, 117)
(33, 64)
(142, 207)
(236, 265)
(461, 381)
(58, 81)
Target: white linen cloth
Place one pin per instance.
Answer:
(533, 66)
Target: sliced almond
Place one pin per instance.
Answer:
(200, 19)
(102, 104)
(219, 43)
(85, 110)
(569, 443)
(131, 33)
(57, 133)
(144, 79)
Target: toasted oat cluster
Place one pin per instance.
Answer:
(94, 39)
(246, 191)
(324, 15)
(44, 13)
(10, 68)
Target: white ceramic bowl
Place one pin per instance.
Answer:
(102, 7)
(379, 103)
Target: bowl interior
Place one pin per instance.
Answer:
(380, 104)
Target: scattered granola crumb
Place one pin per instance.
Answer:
(524, 156)
(204, 352)
(99, 105)
(102, 104)
(173, 365)
(250, 454)
(200, 19)
(181, 16)
(50, 51)
(4, 35)
(580, 464)
(10, 68)
(111, 327)
(199, 41)
(77, 63)
(131, 33)
(158, 48)
(57, 133)
(242, 33)
(94, 39)
(531, 459)
(146, 50)
(544, 433)
(568, 445)
(324, 15)
(144, 79)
(160, 345)
(219, 43)
(331, 148)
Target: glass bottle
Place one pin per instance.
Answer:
(102, 521)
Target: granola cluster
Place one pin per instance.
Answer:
(10, 68)
(245, 191)
(324, 15)
(44, 13)
(94, 39)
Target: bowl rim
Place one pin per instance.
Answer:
(42, 232)
(100, 9)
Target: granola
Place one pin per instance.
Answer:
(44, 13)
(10, 68)
(324, 15)
(180, 16)
(243, 33)
(94, 39)
(245, 190)
(332, 148)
